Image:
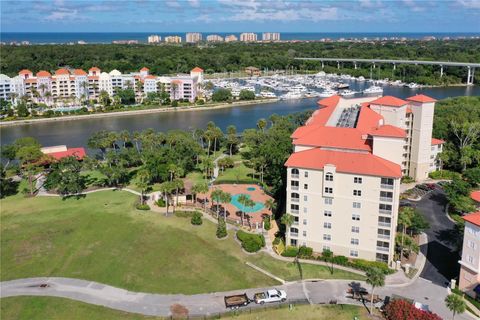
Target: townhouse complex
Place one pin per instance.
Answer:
(343, 182)
(77, 85)
(469, 279)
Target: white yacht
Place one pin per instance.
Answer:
(327, 93)
(361, 78)
(373, 90)
(413, 85)
(267, 94)
(290, 95)
(347, 93)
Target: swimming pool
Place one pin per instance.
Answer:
(258, 205)
(251, 189)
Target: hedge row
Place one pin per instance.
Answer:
(444, 174)
(251, 242)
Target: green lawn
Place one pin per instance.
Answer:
(239, 172)
(33, 308)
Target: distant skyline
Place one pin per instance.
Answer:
(240, 16)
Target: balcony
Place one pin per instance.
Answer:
(295, 176)
(383, 211)
(385, 224)
(295, 223)
(293, 211)
(386, 199)
(294, 187)
(294, 234)
(386, 186)
(295, 200)
(383, 236)
(384, 249)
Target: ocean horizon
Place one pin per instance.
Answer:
(108, 37)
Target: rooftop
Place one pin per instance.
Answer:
(389, 131)
(473, 218)
(421, 98)
(43, 73)
(475, 195)
(389, 101)
(346, 162)
(437, 141)
(197, 69)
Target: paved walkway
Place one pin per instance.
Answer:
(211, 303)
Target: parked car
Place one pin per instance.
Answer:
(431, 186)
(423, 187)
(268, 296)
(406, 203)
(236, 301)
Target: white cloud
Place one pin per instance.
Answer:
(173, 4)
(471, 4)
(62, 14)
(194, 3)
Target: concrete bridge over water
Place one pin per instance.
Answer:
(469, 65)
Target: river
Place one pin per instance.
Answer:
(76, 133)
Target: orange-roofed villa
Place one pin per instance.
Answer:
(343, 178)
(469, 279)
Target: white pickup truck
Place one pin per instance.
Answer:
(273, 295)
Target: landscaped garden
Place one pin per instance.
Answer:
(28, 308)
(103, 238)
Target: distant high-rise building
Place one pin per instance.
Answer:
(230, 38)
(154, 38)
(214, 38)
(173, 39)
(193, 37)
(248, 37)
(271, 36)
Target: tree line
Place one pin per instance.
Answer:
(229, 57)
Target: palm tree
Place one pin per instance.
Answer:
(124, 136)
(136, 138)
(232, 138)
(246, 203)
(405, 220)
(455, 303)
(200, 187)
(270, 205)
(216, 196)
(166, 188)
(375, 278)
(287, 220)
(225, 198)
(143, 179)
(177, 184)
(262, 124)
(175, 171)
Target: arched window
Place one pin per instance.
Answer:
(295, 173)
(295, 195)
(293, 230)
(329, 176)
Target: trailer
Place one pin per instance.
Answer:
(236, 301)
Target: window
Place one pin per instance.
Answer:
(382, 257)
(327, 225)
(329, 176)
(383, 233)
(356, 217)
(295, 173)
(327, 213)
(306, 174)
(353, 253)
(294, 208)
(325, 248)
(327, 237)
(471, 244)
(305, 221)
(305, 186)
(295, 196)
(328, 201)
(355, 229)
(294, 184)
(293, 230)
(357, 205)
(293, 242)
(470, 259)
(357, 180)
(384, 221)
(385, 208)
(354, 241)
(357, 193)
(382, 245)
(386, 196)
(328, 190)
(304, 209)
(386, 182)
(304, 233)
(305, 198)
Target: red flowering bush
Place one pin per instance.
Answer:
(403, 310)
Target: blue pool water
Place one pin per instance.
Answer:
(258, 205)
(251, 189)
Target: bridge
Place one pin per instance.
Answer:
(469, 65)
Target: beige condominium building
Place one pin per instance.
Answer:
(469, 280)
(343, 179)
(248, 37)
(193, 37)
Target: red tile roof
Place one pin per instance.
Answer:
(62, 72)
(25, 71)
(31, 80)
(473, 218)
(144, 69)
(79, 72)
(437, 141)
(197, 69)
(327, 106)
(94, 69)
(389, 101)
(150, 77)
(334, 137)
(409, 110)
(92, 77)
(475, 195)
(421, 98)
(389, 131)
(368, 119)
(329, 102)
(78, 153)
(43, 73)
(346, 162)
(177, 81)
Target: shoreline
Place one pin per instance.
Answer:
(135, 112)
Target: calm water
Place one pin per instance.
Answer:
(76, 133)
(103, 37)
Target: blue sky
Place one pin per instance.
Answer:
(240, 15)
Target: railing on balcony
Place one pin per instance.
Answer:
(386, 199)
(383, 211)
(295, 200)
(385, 249)
(384, 224)
(295, 223)
(294, 187)
(383, 236)
(386, 186)
(293, 234)
(293, 211)
(295, 176)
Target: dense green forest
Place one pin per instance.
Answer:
(164, 59)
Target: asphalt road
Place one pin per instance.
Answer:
(442, 255)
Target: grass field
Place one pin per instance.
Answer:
(103, 238)
(239, 172)
(33, 308)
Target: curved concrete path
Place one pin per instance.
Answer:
(316, 292)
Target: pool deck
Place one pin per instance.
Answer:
(233, 212)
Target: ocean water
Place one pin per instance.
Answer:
(104, 37)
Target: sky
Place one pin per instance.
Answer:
(240, 16)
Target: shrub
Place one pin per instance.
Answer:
(174, 103)
(251, 242)
(404, 310)
(222, 95)
(160, 203)
(200, 102)
(277, 240)
(266, 223)
(196, 218)
(221, 229)
(407, 179)
(341, 260)
(290, 251)
(305, 252)
(444, 174)
(246, 95)
(144, 206)
(366, 265)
